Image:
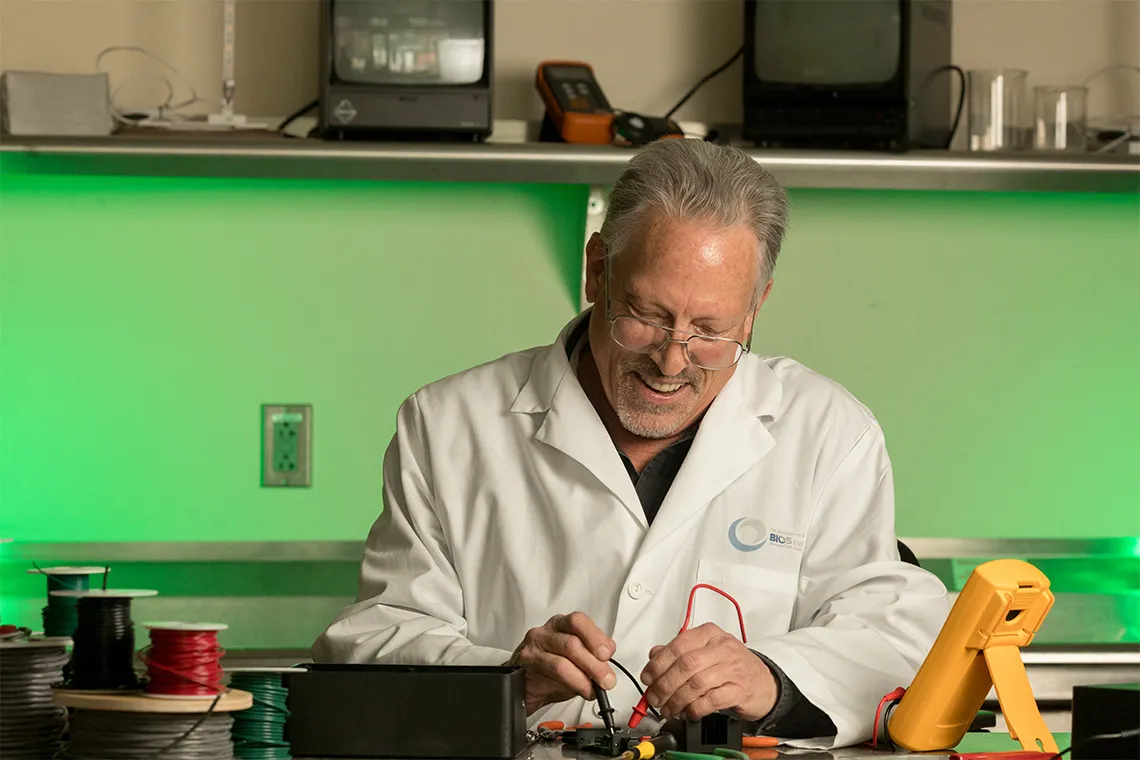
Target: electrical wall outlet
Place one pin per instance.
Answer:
(286, 445)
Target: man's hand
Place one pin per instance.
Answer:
(561, 658)
(704, 670)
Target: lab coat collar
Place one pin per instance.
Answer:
(732, 436)
(571, 424)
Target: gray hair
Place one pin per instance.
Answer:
(694, 179)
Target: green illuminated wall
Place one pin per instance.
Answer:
(143, 321)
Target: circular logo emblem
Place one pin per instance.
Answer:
(747, 535)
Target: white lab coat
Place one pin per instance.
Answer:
(505, 502)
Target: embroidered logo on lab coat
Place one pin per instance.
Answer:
(747, 535)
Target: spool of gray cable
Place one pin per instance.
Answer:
(31, 725)
(105, 735)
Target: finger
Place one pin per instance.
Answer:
(571, 647)
(692, 674)
(698, 686)
(579, 624)
(662, 658)
(720, 698)
(560, 670)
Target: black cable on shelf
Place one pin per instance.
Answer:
(705, 80)
(297, 114)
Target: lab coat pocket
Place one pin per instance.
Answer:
(766, 597)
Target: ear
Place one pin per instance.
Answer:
(752, 317)
(763, 297)
(595, 268)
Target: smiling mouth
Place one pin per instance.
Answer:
(660, 387)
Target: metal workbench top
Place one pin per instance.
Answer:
(989, 742)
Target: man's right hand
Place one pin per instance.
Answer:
(561, 658)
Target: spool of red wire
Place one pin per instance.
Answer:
(183, 660)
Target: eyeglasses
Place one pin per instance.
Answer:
(641, 337)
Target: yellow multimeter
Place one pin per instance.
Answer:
(575, 103)
(998, 611)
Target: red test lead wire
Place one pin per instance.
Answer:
(894, 696)
(642, 707)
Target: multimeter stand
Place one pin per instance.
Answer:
(549, 132)
(1018, 706)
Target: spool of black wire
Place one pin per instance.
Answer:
(103, 658)
(59, 615)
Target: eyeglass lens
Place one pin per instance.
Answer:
(711, 353)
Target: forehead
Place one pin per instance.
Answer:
(689, 267)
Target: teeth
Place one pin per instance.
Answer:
(662, 387)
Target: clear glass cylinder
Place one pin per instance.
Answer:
(997, 116)
(1060, 118)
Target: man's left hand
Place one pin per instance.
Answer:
(704, 670)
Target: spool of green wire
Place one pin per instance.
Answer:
(59, 616)
(259, 732)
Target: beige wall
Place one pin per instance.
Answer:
(646, 52)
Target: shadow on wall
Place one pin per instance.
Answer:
(565, 232)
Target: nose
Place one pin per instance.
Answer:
(671, 360)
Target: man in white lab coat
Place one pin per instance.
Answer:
(554, 509)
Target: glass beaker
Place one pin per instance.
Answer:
(1060, 118)
(997, 115)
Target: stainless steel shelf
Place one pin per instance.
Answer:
(186, 551)
(1035, 548)
(352, 551)
(246, 156)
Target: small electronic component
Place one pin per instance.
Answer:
(1099, 711)
(603, 741)
(623, 744)
(717, 731)
(633, 129)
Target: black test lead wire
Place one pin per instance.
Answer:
(636, 685)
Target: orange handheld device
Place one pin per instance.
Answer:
(574, 102)
(998, 611)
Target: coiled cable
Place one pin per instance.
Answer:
(31, 726)
(183, 661)
(101, 735)
(103, 658)
(259, 732)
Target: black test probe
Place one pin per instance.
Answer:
(607, 712)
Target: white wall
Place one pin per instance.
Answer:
(646, 53)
